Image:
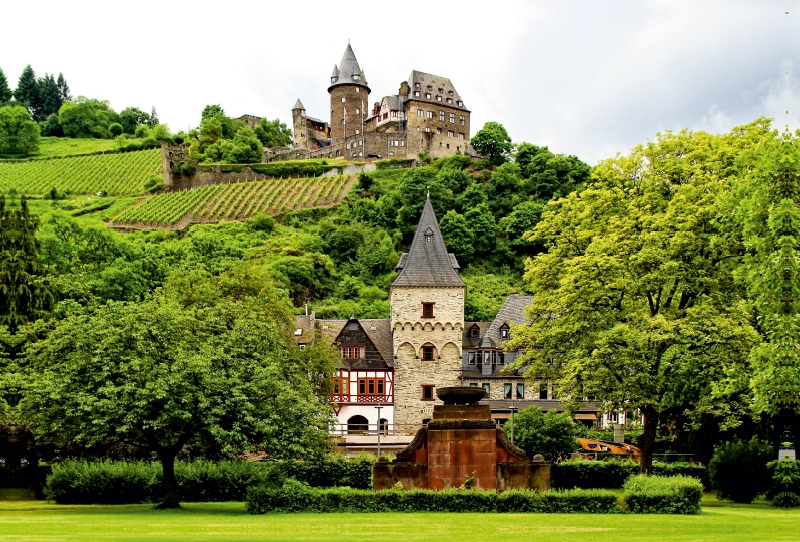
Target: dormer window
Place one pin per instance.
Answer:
(356, 77)
(504, 331)
(429, 235)
(428, 95)
(441, 90)
(450, 92)
(460, 103)
(416, 85)
(334, 79)
(474, 331)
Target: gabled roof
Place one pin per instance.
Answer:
(348, 72)
(512, 313)
(436, 82)
(393, 102)
(428, 263)
(298, 105)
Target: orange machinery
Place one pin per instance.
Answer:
(615, 448)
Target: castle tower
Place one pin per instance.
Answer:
(299, 124)
(427, 319)
(349, 96)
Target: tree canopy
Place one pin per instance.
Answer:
(493, 142)
(19, 134)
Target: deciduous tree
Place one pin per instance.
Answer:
(493, 142)
(18, 133)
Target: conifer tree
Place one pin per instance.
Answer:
(24, 294)
(27, 92)
(5, 91)
(63, 89)
(49, 96)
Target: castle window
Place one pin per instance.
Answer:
(460, 103)
(486, 389)
(449, 100)
(352, 352)
(343, 98)
(427, 308)
(427, 95)
(462, 120)
(448, 145)
(402, 143)
(430, 114)
(441, 116)
(507, 390)
(520, 391)
(450, 133)
(427, 353)
(416, 93)
(427, 392)
(358, 111)
(439, 131)
(420, 113)
(453, 118)
(427, 129)
(438, 98)
(461, 135)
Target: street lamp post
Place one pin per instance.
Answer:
(379, 430)
(513, 409)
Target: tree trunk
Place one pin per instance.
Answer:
(648, 441)
(167, 458)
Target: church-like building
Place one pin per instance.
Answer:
(427, 115)
(399, 362)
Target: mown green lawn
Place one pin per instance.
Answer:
(27, 520)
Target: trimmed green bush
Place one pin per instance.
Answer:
(102, 482)
(662, 494)
(784, 491)
(394, 163)
(297, 497)
(611, 474)
(738, 469)
(332, 472)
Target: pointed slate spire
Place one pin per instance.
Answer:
(298, 105)
(348, 72)
(428, 263)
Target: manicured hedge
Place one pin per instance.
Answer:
(127, 482)
(297, 497)
(662, 494)
(612, 474)
(276, 169)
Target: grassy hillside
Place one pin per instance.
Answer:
(115, 174)
(59, 147)
(235, 201)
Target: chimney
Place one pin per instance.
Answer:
(405, 90)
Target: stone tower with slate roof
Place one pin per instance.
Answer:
(349, 97)
(427, 321)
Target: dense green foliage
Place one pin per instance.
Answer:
(784, 489)
(223, 139)
(297, 497)
(551, 434)
(19, 135)
(611, 474)
(493, 142)
(130, 482)
(120, 174)
(738, 471)
(660, 495)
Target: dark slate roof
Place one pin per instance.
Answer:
(379, 331)
(512, 313)
(427, 264)
(314, 119)
(348, 72)
(466, 341)
(394, 102)
(298, 105)
(425, 79)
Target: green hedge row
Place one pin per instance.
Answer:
(662, 495)
(642, 495)
(612, 474)
(127, 482)
(297, 497)
(395, 163)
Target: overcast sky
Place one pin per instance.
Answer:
(584, 77)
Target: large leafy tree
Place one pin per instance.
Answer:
(273, 133)
(635, 294)
(86, 117)
(19, 134)
(767, 203)
(493, 142)
(204, 360)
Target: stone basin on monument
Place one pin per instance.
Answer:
(460, 395)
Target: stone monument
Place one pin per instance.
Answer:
(462, 443)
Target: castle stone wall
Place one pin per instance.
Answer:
(410, 333)
(353, 96)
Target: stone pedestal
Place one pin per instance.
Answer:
(462, 441)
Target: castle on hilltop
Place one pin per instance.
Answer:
(426, 115)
